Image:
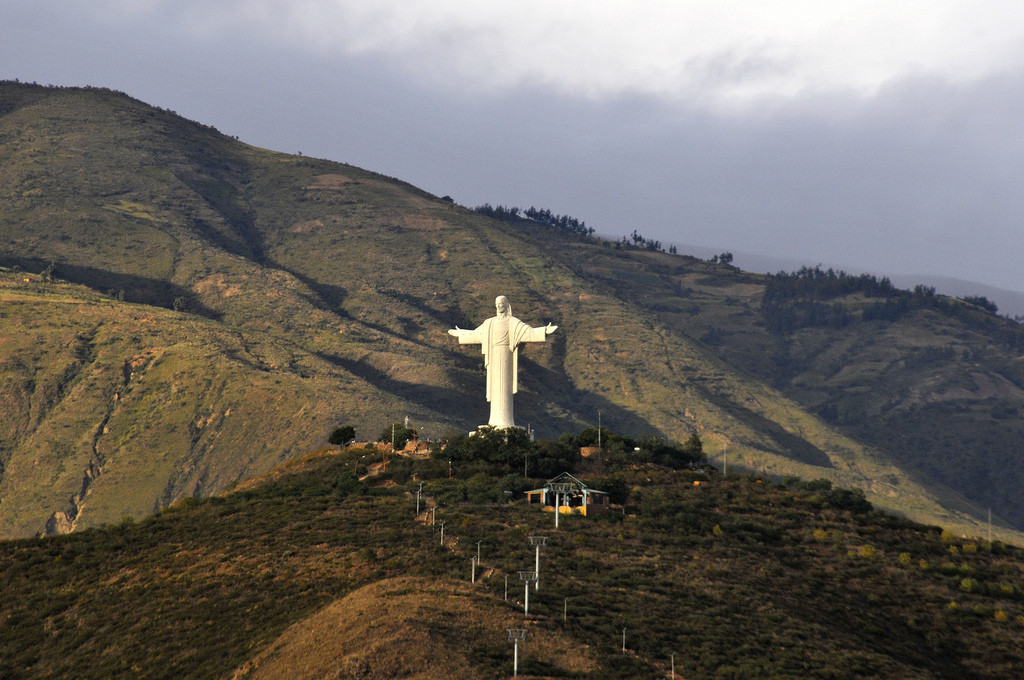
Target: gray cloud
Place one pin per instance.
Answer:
(924, 176)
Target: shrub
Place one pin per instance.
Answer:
(398, 433)
(848, 499)
(341, 435)
(347, 483)
(868, 552)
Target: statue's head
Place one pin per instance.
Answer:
(502, 306)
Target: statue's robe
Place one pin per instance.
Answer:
(499, 339)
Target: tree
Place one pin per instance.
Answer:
(983, 302)
(693, 448)
(341, 435)
(658, 451)
(401, 435)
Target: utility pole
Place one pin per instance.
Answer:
(560, 488)
(537, 542)
(558, 508)
(526, 577)
(432, 516)
(673, 666)
(623, 640)
(418, 491)
(565, 608)
(478, 551)
(442, 534)
(472, 563)
(599, 429)
(506, 587)
(515, 635)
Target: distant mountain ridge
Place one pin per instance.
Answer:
(225, 279)
(1010, 302)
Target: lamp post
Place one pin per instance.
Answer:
(526, 577)
(560, 488)
(537, 542)
(515, 635)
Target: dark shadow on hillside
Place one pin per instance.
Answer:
(469, 408)
(326, 297)
(787, 444)
(330, 298)
(543, 386)
(126, 287)
(448, 402)
(442, 317)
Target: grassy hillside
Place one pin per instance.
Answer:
(115, 410)
(310, 573)
(936, 383)
(307, 293)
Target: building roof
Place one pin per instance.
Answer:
(566, 478)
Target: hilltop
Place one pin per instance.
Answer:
(177, 278)
(311, 573)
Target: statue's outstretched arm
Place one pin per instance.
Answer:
(466, 336)
(549, 329)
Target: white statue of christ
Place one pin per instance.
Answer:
(499, 338)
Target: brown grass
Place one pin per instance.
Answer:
(403, 628)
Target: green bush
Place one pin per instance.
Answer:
(340, 436)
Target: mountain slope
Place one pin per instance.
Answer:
(346, 282)
(115, 410)
(312, 573)
(936, 383)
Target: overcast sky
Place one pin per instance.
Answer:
(880, 136)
